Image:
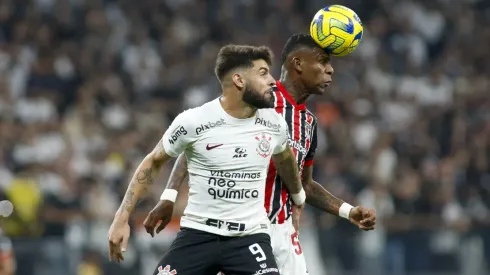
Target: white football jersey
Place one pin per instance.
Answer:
(228, 160)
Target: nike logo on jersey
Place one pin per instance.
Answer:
(211, 147)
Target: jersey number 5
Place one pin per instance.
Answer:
(256, 249)
(295, 242)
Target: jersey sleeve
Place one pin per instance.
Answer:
(311, 152)
(178, 135)
(283, 137)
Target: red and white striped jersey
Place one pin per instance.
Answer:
(302, 125)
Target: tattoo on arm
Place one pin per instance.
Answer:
(143, 178)
(317, 195)
(287, 168)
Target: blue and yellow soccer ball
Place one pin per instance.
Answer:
(337, 29)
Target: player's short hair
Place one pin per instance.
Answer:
(231, 57)
(295, 42)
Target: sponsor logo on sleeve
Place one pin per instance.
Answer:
(177, 133)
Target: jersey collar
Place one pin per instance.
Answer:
(288, 97)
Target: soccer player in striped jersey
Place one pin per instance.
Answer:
(306, 70)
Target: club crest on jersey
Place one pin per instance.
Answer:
(264, 147)
(166, 270)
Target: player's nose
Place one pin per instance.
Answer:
(271, 81)
(329, 69)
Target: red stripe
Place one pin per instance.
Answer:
(279, 103)
(271, 175)
(297, 135)
(282, 213)
(309, 120)
(308, 163)
(269, 186)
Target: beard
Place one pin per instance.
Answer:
(257, 100)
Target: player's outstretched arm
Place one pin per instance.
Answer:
(142, 179)
(164, 208)
(319, 197)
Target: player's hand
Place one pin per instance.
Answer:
(297, 210)
(363, 218)
(161, 212)
(118, 240)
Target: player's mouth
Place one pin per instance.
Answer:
(327, 83)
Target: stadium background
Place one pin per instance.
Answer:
(89, 86)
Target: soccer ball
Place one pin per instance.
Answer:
(337, 29)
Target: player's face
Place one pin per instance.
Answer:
(317, 71)
(258, 86)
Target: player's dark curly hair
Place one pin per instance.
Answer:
(231, 57)
(295, 42)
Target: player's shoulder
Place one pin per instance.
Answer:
(198, 114)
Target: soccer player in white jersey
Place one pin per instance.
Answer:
(306, 70)
(225, 226)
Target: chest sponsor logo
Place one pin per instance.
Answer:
(204, 127)
(240, 152)
(297, 146)
(273, 126)
(223, 185)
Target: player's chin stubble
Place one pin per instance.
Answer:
(258, 100)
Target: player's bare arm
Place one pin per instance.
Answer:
(164, 208)
(142, 179)
(319, 197)
(287, 168)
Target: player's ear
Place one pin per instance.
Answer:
(297, 65)
(238, 80)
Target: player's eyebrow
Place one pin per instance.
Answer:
(323, 56)
(263, 68)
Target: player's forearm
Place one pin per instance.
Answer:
(179, 173)
(287, 168)
(319, 197)
(142, 179)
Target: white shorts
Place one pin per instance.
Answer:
(287, 249)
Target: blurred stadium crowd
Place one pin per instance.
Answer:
(87, 87)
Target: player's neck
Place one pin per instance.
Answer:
(294, 88)
(237, 108)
